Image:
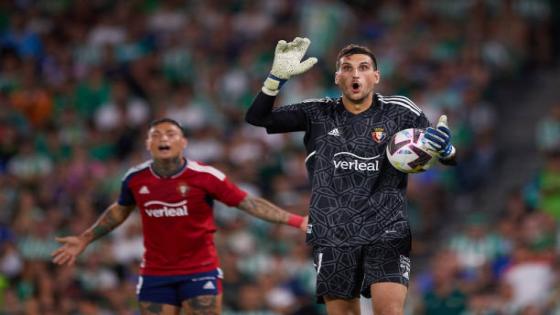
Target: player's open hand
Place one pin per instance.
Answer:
(287, 62)
(287, 58)
(72, 246)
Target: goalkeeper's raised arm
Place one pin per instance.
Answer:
(287, 63)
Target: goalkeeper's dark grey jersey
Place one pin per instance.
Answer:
(356, 194)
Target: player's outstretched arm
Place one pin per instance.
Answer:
(265, 210)
(72, 246)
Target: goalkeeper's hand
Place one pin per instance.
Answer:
(439, 139)
(287, 62)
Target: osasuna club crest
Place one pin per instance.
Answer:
(378, 135)
(182, 188)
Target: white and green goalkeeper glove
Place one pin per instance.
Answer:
(287, 62)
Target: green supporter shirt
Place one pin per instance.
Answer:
(550, 193)
(455, 303)
(89, 98)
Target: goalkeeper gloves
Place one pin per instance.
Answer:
(439, 139)
(287, 62)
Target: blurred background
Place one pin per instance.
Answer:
(80, 80)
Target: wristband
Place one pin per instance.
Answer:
(275, 78)
(295, 220)
(448, 152)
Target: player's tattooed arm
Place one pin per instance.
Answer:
(263, 209)
(73, 246)
(108, 221)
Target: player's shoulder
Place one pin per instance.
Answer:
(137, 169)
(320, 101)
(205, 170)
(400, 102)
(315, 103)
(318, 107)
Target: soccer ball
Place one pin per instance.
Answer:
(407, 151)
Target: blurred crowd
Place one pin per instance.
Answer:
(80, 80)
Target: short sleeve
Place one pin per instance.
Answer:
(217, 185)
(227, 192)
(126, 198)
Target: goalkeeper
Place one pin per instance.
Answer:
(358, 226)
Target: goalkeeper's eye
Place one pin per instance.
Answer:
(364, 67)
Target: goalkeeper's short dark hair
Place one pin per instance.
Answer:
(354, 49)
(168, 120)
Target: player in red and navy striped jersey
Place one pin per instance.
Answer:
(174, 196)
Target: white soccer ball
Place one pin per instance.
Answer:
(407, 151)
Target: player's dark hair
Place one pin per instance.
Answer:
(168, 120)
(354, 49)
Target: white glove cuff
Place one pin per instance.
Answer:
(272, 85)
(269, 92)
(450, 154)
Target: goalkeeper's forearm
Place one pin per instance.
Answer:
(265, 210)
(259, 112)
(112, 217)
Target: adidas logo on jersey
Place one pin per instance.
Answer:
(209, 285)
(334, 132)
(144, 190)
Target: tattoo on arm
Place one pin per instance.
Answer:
(110, 219)
(263, 209)
(203, 305)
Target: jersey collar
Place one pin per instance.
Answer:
(177, 174)
(375, 103)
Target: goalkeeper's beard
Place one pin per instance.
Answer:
(359, 98)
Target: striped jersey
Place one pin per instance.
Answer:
(177, 216)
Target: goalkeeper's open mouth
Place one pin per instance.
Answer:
(356, 87)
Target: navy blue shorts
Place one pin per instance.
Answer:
(174, 290)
